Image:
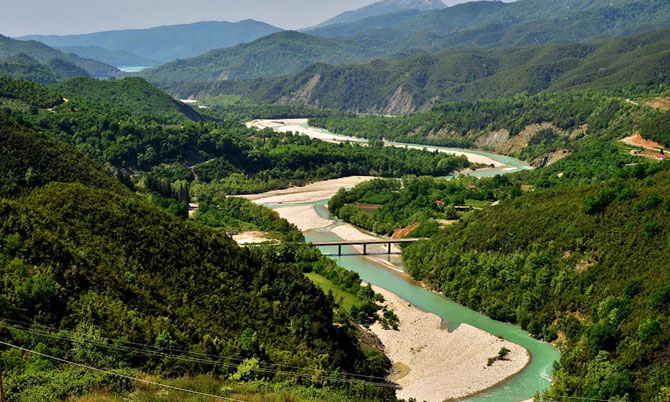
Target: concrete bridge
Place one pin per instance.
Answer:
(365, 244)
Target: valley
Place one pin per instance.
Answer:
(397, 201)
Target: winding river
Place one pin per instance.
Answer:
(535, 377)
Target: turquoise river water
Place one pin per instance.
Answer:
(534, 378)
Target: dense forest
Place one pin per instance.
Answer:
(134, 95)
(183, 288)
(118, 202)
(582, 266)
(158, 139)
(424, 204)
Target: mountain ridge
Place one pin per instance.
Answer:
(381, 8)
(419, 81)
(169, 42)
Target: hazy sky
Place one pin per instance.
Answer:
(23, 17)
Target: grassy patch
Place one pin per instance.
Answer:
(477, 203)
(344, 299)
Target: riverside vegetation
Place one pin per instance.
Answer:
(66, 228)
(574, 252)
(68, 225)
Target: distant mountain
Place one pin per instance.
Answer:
(381, 8)
(116, 58)
(43, 53)
(282, 53)
(420, 28)
(486, 24)
(419, 81)
(167, 43)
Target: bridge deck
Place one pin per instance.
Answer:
(361, 242)
(365, 244)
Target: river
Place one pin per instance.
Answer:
(536, 377)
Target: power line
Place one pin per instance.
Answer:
(209, 362)
(143, 345)
(118, 374)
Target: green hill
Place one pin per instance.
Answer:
(43, 53)
(583, 266)
(29, 93)
(65, 69)
(116, 58)
(80, 253)
(418, 82)
(134, 95)
(24, 67)
(163, 44)
(277, 54)
(498, 24)
(29, 160)
(478, 24)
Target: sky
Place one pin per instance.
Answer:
(61, 17)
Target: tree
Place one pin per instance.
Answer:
(503, 353)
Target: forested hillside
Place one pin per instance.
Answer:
(134, 95)
(116, 58)
(383, 7)
(61, 249)
(525, 126)
(497, 24)
(581, 266)
(25, 67)
(28, 93)
(476, 24)
(273, 55)
(43, 53)
(29, 160)
(420, 81)
(136, 133)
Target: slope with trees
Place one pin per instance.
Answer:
(419, 81)
(134, 95)
(80, 253)
(43, 53)
(581, 266)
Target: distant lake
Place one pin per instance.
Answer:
(133, 69)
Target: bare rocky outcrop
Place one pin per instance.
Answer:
(304, 94)
(400, 103)
(550, 158)
(501, 141)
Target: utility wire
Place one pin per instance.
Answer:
(142, 345)
(118, 374)
(208, 362)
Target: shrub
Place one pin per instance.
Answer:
(661, 299)
(596, 204)
(652, 201)
(653, 229)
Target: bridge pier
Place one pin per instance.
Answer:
(339, 249)
(365, 249)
